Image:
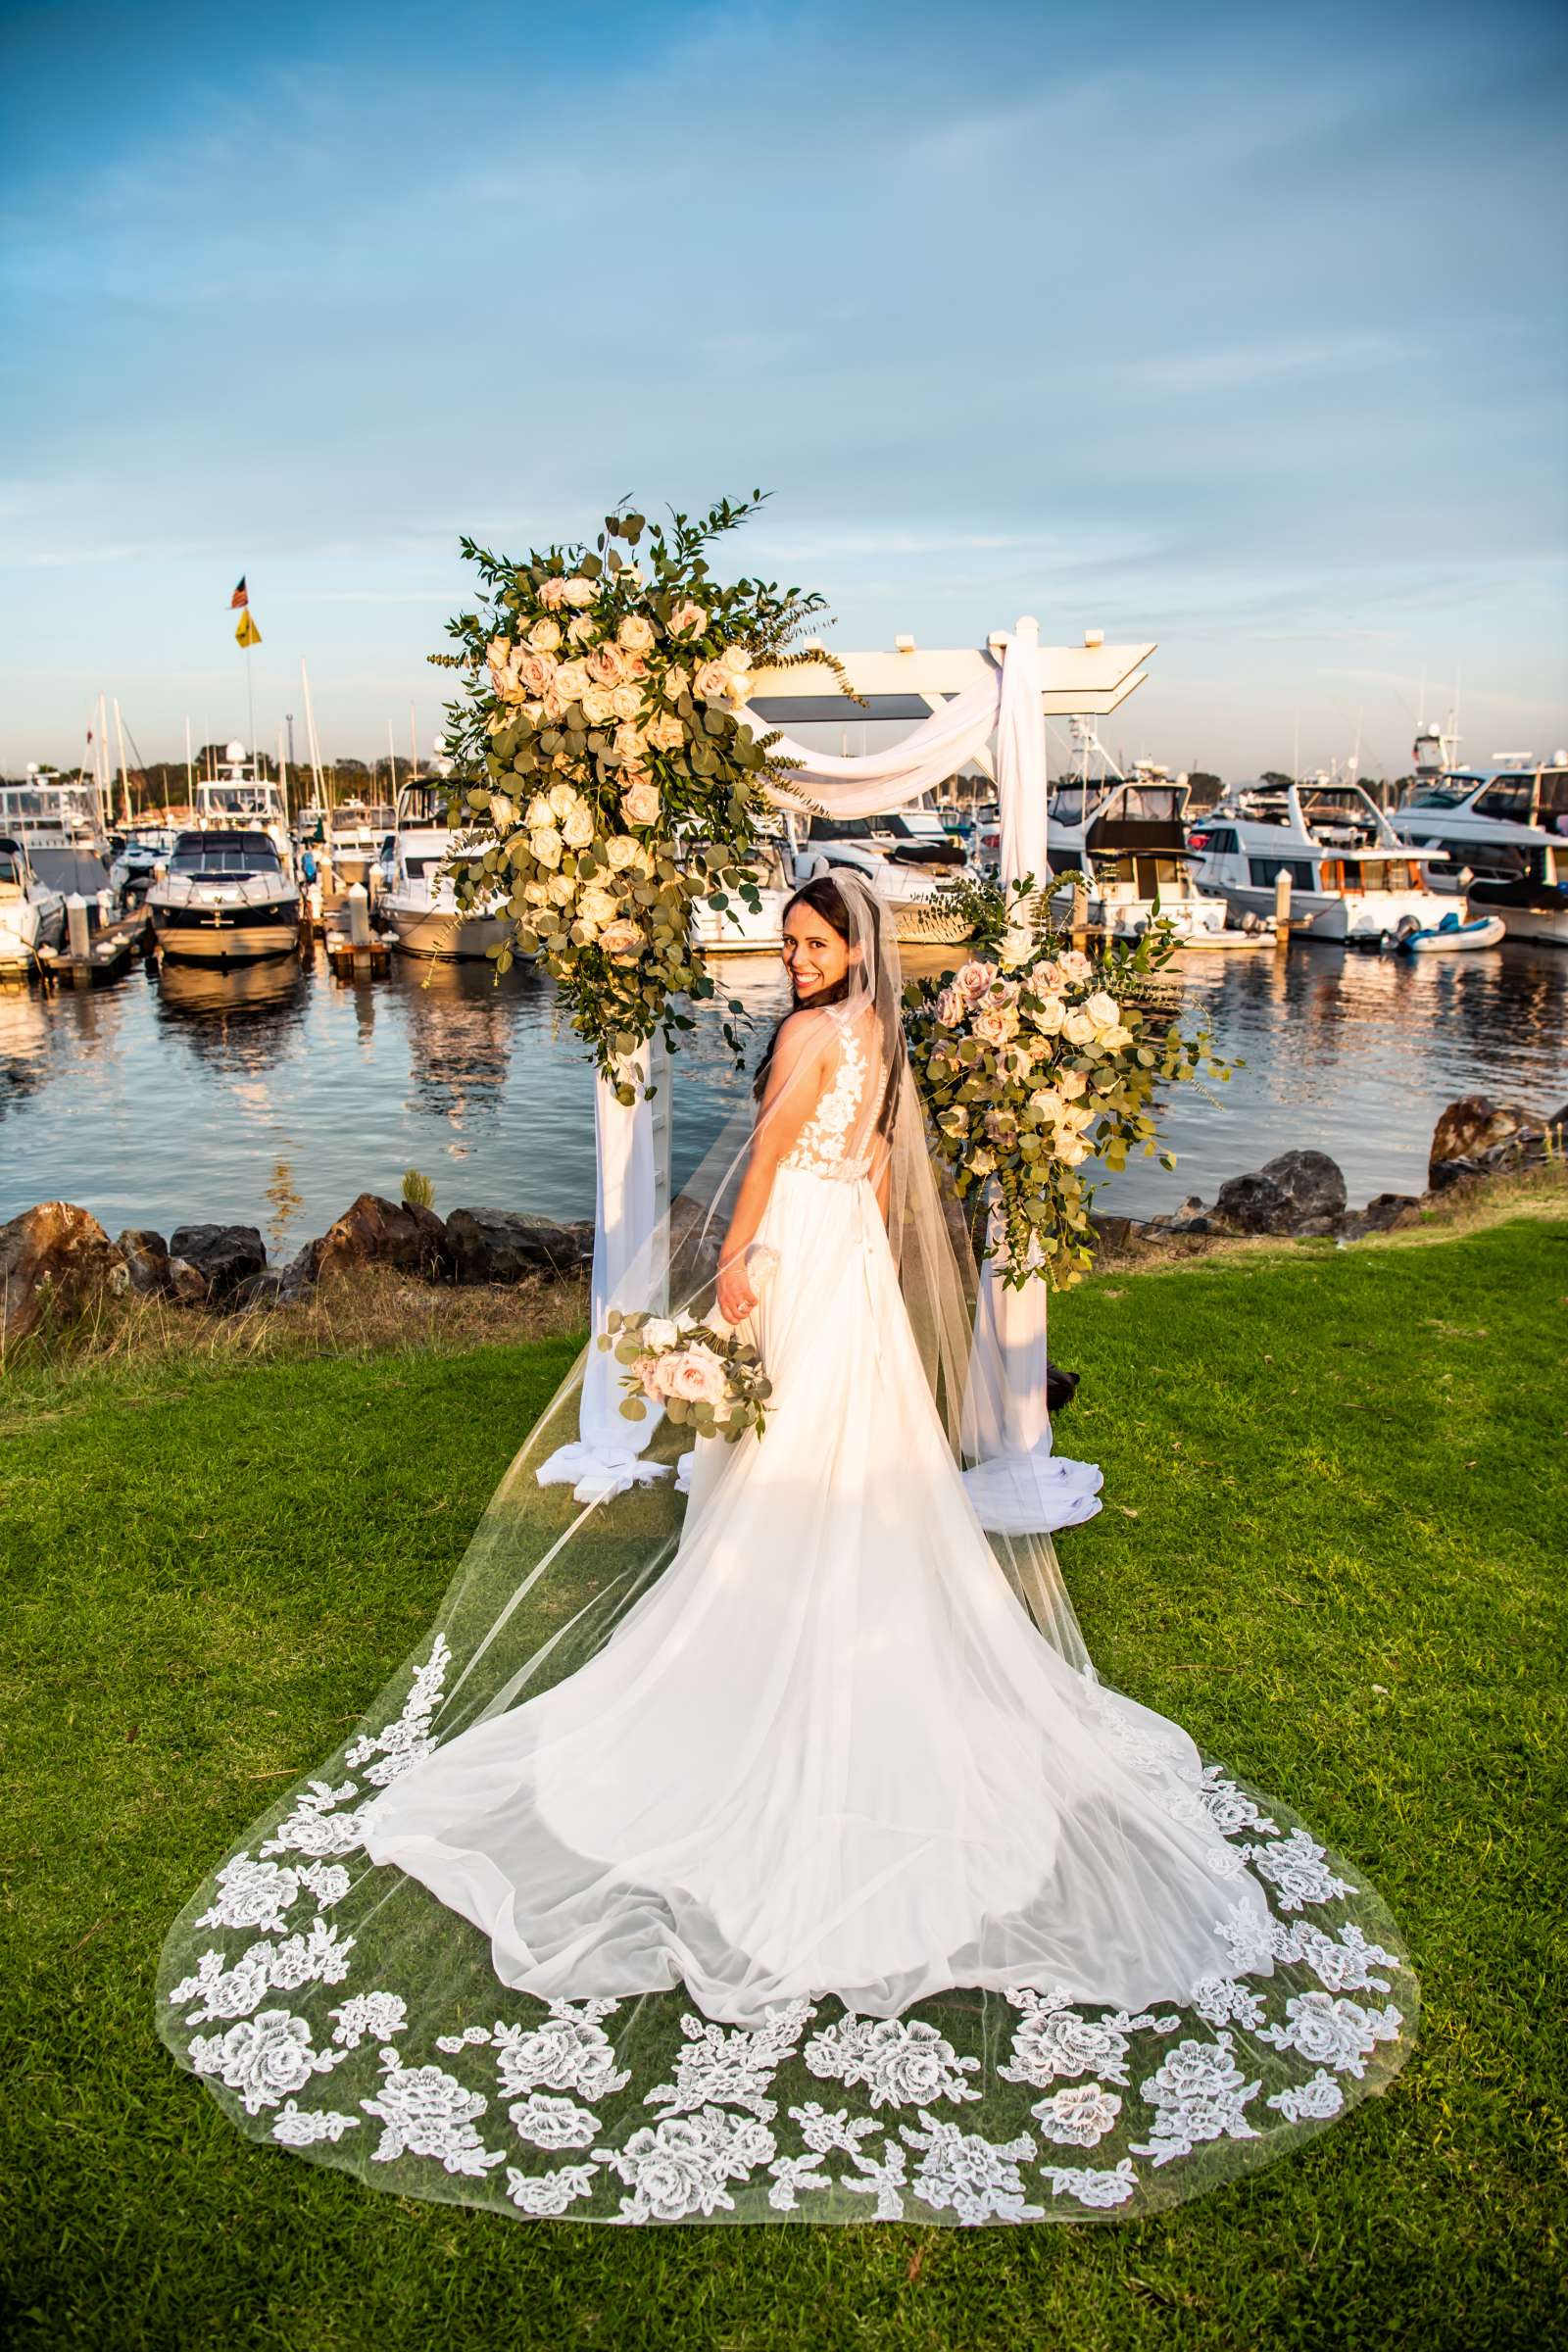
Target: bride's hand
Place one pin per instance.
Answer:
(736, 1297)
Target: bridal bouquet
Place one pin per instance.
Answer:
(1033, 1058)
(698, 1374)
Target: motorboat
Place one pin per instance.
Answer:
(140, 853)
(737, 929)
(241, 799)
(227, 897)
(357, 832)
(1351, 876)
(417, 900)
(1499, 834)
(51, 811)
(32, 912)
(1127, 836)
(906, 857)
(1450, 937)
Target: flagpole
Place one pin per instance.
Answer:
(310, 733)
(190, 773)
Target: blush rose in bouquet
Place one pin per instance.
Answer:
(701, 1373)
(1033, 1059)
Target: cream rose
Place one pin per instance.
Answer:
(1076, 967)
(666, 733)
(677, 681)
(1070, 1148)
(1078, 1029)
(630, 742)
(660, 1332)
(998, 1024)
(578, 829)
(698, 1376)
(571, 680)
(553, 594)
(627, 699)
(562, 800)
(545, 842)
(713, 682)
(539, 812)
(562, 889)
(545, 636)
(622, 852)
(583, 629)
(1049, 1104)
(951, 1007)
(598, 905)
(1015, 947)
(1115, 1037)
(536, 671)
(599, 705)
(687, 619)
(1049, 1016)
(635, 634)
(974, 978)
(578, 592)
(537, 894)
(1071, 1084)
(1102, 1010)
(639, 805)
(502, 813)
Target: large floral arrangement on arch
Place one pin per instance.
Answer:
(609, 780)
(1033, 1059)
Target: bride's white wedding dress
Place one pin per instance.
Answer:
(828, 1752)
(825, 1888)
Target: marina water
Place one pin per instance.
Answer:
(272, 1095)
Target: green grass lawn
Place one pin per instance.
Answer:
(1333, 1546)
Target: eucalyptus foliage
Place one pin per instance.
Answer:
(608, 780)
(1034, 1058)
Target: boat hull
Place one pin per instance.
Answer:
(443, 937)
(26, 927)
(224, 935)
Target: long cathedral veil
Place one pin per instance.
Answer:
(341, 2010)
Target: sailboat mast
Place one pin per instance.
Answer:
(125, 778)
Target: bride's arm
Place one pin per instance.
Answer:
(795, 1080)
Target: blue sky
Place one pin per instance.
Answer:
(1238, 328)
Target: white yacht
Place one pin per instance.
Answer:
(51, 811)
(1501, 835)
(417, 901)
(1127, 836)
(1351, 876)
(241, 799)
(142, 849)
(735, 930)
(907, 857)
(356, 833)
(32, 912)
(226, 897)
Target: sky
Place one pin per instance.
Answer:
(1239, 329)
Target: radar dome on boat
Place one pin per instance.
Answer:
(233, 750)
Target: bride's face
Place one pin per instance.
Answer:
(815, 956)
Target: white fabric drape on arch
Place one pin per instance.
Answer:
(1018, 1485)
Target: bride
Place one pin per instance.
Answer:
(832, 1824)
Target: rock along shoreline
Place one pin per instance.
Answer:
(55, 1259)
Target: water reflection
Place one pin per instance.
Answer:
(243, 1020)
(275, 1093)
(462, 1027)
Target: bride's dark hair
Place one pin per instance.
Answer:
(823, 895)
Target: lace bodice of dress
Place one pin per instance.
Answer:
(825, 1144)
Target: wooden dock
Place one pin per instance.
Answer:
(90, 957)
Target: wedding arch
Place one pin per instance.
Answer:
(986, 705)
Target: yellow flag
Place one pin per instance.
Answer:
(247, 634)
